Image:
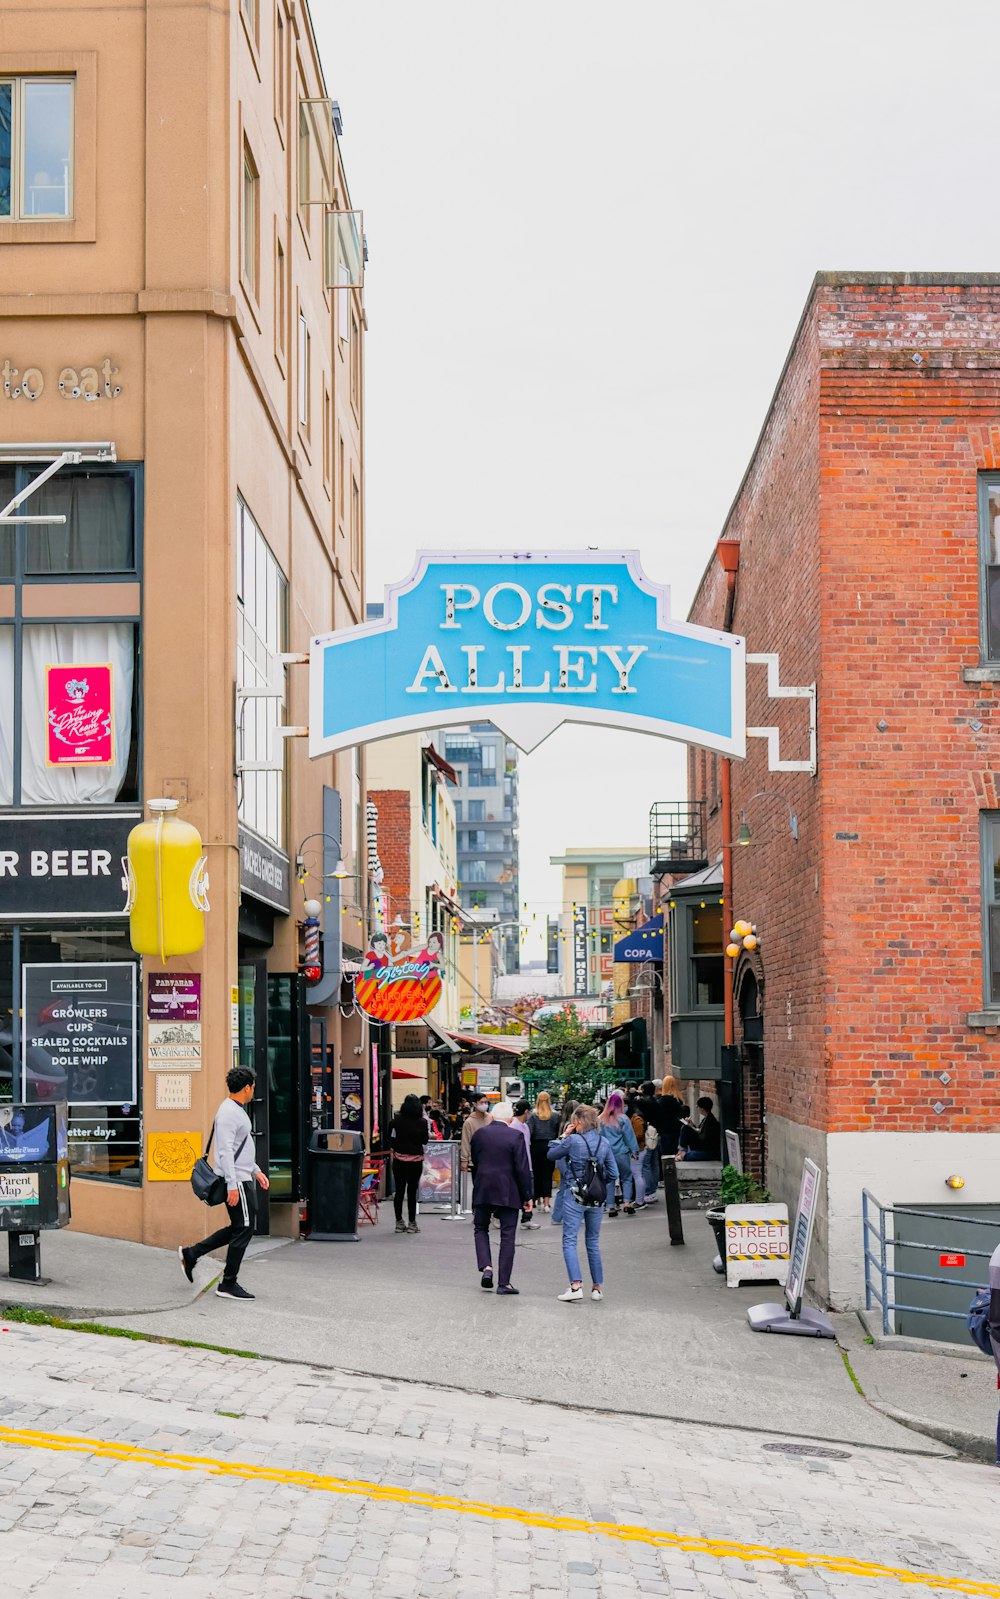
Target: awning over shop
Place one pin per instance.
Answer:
(644, 943)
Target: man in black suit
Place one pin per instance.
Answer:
(501, 1186)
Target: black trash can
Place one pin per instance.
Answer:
(334, 1188)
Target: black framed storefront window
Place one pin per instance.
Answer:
(70, 695)
(70, 1029)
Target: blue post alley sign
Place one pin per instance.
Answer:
(527, 641)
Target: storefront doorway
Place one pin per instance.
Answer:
(274, 1042)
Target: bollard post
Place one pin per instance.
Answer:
(672, 1197)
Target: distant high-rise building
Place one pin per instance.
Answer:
(487, 817)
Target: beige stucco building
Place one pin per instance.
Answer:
(166, 294)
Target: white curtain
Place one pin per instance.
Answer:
(69, 644)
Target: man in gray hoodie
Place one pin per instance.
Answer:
(235, 1159)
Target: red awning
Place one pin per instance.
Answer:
(442, 765)
(417, 1077)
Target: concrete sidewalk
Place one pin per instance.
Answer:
(670, 1340)
(87, 1278)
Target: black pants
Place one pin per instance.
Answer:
(242, 1221)
(482, 1215)
(406, 1180)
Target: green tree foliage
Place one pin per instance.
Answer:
(565, 1058)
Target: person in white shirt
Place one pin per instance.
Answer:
(235, 1159)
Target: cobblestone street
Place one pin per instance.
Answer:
(136, 1468)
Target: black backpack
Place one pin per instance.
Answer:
(590, 1189)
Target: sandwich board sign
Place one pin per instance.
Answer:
(757, 1246)
(527, 640)
(790, 1317)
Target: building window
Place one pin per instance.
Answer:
(341, 475)
(304, 378)
(989, 552)
(280, 310)
(327, 437)
(36, 148)
(69, 689)
(489, 757)
(477, 810)
(250, 17)
(261, 592)
(279, 66)
(990, 825)
(355, 364)
(458, 810)
(707, 961)
(251, 224)
(344, 317)
(355, 526)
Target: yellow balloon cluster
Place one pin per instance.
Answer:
(742, 936)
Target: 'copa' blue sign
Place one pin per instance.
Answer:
(527, 641)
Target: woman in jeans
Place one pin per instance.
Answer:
(584, 1142)
(408, 1137)
(617, 1129)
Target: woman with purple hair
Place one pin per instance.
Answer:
(618, 1131)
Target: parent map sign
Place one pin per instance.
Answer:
(527, 641)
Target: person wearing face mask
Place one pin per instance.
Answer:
(478, 1117)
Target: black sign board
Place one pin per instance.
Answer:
(265, 872)
(66, 863)
(352, 1099)
(79, 1030)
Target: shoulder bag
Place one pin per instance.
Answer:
(207, 1184)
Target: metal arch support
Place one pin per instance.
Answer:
(56, 456)
(773, 734)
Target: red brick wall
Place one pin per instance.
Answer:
(859, 564)
(394, 848)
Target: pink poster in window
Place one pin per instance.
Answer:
(80, 706)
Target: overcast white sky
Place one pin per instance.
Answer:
(592, 230)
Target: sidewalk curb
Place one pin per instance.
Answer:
(97, 1312)
(904, 1344)
(964, 1443)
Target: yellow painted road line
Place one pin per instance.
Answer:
(718, 1548)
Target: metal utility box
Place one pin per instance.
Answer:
(34, 1181)
(334, 1167)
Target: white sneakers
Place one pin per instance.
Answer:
(596, 1293)
(571, 1295)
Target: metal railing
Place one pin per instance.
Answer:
(677, 837)
(881, 1278)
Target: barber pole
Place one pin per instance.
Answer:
(312, 969)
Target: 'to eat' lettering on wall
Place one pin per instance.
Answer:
(72, 382)
(527, 641)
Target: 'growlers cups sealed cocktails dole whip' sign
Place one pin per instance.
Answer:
(527, 641)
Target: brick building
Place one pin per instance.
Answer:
(868, 560)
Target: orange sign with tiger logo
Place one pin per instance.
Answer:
(400, 985)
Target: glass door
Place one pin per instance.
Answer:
(252, 1051)
(288, 1072)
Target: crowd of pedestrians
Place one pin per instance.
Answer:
(608, 1163)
